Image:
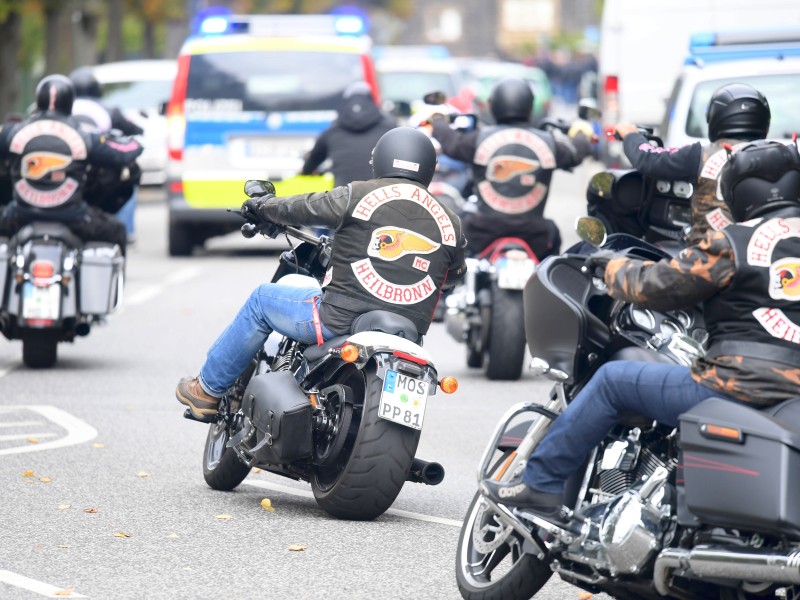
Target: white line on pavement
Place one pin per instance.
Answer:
(21, 424)
(285, 489)
(38, 587)
(151, 291)
(24, 436)
(77, 431)
(6, 369)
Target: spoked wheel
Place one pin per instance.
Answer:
(362, 481)
(490, 564)
(223, 470)
(330, 441)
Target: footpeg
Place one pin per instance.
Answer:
(187, 414)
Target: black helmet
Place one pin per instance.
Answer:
(56, 93)
(404, 152)
(759, 178)
(737, 111)
(511, 100)
(86, 84)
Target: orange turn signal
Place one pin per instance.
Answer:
(349, 353)
(448, 384)
(721, 433)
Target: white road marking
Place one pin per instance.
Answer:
(32, 585)
(6, 369)
(285, 489)
(151, 291)
(78, 431)
(24, 436)
(21, 424)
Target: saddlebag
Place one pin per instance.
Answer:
(5, 257)
(749, 482)
(281, 414)
(100, 271)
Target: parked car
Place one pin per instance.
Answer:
(252, 94)
(768, 61)
(482, 74)
(140, 89)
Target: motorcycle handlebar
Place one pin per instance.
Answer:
(256, 225)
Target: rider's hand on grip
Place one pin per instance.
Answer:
(596, 263)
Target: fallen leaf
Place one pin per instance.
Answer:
(64, 592)
(143, 474)
(257, 470)
(28, 474)
(37, 547)
(173, 536)
(33, 440)
(584, 596)
(224, 517)
(63, 545)
(29, 481)
(297, 548)
(96, 445)
(90, 510)
(45, 479)
(122, 534)
(64, 506)
(266, 504)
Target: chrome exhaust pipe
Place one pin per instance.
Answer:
(723, 563)
(422, 471)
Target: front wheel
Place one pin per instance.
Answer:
(371, 468)
(490, 563)
(222, 468)
(506, 347)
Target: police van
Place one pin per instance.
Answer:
(251, 95)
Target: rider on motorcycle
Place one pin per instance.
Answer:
(396, 247)
(747, 277)
(512, 165)
(49, 155)
(736, 113)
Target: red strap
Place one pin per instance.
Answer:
(317, 322)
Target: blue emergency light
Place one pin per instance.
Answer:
(721, 46)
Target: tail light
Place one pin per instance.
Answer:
(176, 118)
(611, 95)
(42, 269)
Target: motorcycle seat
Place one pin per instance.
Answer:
(787, 412)
(53, 230)
(314, 353)
(387, 322)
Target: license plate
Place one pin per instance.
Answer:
(403, 399)
(41, 302)
(513, 273)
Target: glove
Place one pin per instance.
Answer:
(596, 263)
(252, 206)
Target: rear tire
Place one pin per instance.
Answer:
(506, 348)
(180, 240)
(39, 350)
(474, 348)
(222, 468)
(373, 466)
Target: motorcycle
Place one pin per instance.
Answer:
(345, 416)
(54, 287)
(626, 201)
(705, 510)
(485, 312)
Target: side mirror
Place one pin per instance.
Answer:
(401, 108)
(435, 98)
(255, 188)
(588, 109)
(162, 108)
(591, 230)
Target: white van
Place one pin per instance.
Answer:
(643, 44)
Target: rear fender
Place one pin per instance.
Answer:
(391, 352)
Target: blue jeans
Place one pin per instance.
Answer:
(125, 214)
(655, 390)
(271, 307)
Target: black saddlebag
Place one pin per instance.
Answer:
(281, 413)
(751, 483)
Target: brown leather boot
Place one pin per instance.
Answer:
(192, 395)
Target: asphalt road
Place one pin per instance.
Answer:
(101, 488)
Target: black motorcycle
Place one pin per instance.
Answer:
(703, 511)
(346, 416)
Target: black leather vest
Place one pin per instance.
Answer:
(512, 167)
(392, 251)
(709, 211)
(48, 162)
(762, 305)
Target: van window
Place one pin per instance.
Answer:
(136, 94)
(277, 81)
(782, 92)
(668, 114)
